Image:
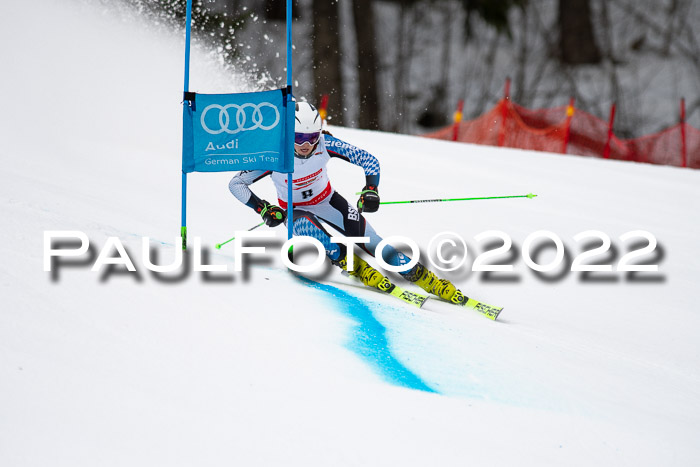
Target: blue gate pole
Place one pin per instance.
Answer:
(183, 227)
(290, 207)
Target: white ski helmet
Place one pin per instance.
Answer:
(307, 126)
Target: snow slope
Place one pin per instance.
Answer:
(116, 368)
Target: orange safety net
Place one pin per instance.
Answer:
(573, 131)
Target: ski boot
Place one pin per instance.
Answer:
(428, 281)
(365, 273)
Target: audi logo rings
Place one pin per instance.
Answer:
(241, 118)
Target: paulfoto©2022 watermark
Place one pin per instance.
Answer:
(447, 251)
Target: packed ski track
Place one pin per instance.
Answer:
(261, 367)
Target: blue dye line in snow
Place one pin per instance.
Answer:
(370, 340)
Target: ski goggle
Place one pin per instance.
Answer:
(311, 138)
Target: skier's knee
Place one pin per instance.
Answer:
(339, 256)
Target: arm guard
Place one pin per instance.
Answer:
(239, 186)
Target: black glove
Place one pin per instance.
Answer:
(369, 199)
(271, 214)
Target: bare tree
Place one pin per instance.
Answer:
(402, 69)
(436, 109)
(326, 57)
(363, 15)
(275, 10)
(577, 44)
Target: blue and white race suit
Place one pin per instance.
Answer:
(316, 202)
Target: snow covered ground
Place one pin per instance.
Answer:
(116, 368)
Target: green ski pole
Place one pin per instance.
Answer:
(529, 196)
(219, 245)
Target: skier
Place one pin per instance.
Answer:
(315, 201)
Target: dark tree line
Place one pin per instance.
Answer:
(577, 45)
(401, 65)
